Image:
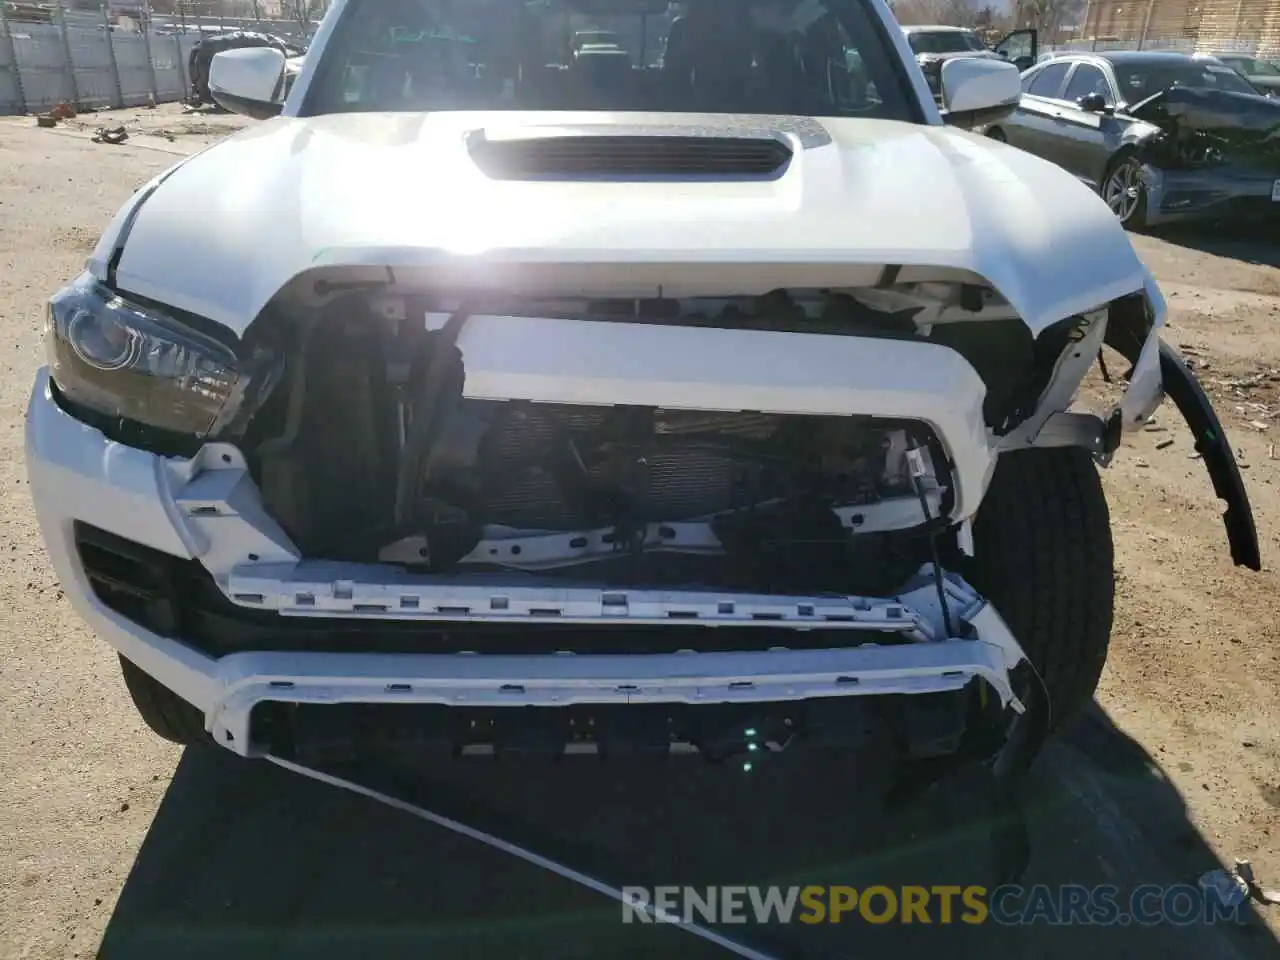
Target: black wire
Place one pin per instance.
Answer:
(442, 799)
(938, 584)
(918, 483)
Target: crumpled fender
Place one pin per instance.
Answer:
(1133, 333)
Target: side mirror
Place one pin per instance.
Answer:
(249, 80)
(977, 91)
(1092, 103)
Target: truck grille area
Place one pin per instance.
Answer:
(178, 599)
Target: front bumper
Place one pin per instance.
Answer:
(207, 510)
(1178, 195)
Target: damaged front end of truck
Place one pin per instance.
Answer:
(588, 484)
(519, 519)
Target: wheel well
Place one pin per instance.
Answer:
(1124, 153)
(995, 133)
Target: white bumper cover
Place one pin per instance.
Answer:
(208, 508)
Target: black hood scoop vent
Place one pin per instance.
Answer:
(629, 156)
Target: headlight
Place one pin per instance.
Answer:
(131, 362)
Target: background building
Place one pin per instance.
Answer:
(1207, 25)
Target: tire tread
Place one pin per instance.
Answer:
(1046, 561)
(167, 714)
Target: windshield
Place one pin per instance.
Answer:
(1139, 81)
(791, 57)
(944, 41)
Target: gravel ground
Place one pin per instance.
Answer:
(116, 844)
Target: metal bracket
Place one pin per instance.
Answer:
(1069, 429)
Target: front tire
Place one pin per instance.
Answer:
(1125, 191)
(1043, 556)
(167, 714)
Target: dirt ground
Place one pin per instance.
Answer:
(114, 843)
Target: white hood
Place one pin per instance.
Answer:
(232, 225)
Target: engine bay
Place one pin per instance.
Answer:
(370, 452)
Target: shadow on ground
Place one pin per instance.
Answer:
(1254, 243)
(247, 860)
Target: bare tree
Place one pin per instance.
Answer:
(243, 9)
(1048, 16)
(306, 12)
(959, 13)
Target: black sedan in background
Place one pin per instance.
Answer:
(1161, 136)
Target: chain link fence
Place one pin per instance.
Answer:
(84, 58)
(1249, 27)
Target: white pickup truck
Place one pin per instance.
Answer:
(497, 397)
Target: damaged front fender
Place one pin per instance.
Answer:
(1186, 128)
(1133, 330)
(1157, 369)
(1205, 153)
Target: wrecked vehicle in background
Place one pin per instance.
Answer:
(1206, 128)
(207, 47)
(707, 410)
(1161, 136)
(934, 45)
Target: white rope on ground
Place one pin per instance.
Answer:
(537, 860)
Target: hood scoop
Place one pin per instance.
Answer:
(629, 155)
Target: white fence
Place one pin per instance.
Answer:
(90, 64)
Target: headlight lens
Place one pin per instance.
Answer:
(128, 361)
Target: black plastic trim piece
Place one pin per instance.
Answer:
(1128, 326)
(1212, 445)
